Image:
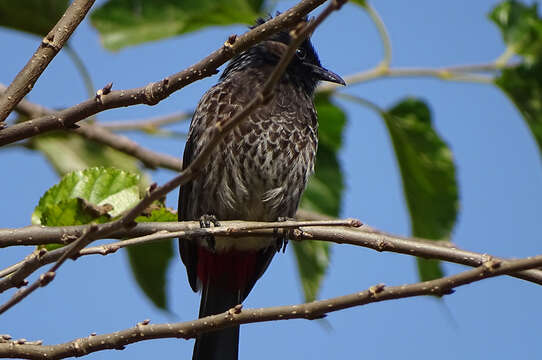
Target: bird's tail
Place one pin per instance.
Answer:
(221, 344)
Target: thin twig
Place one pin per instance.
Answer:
(469, 73)
(47, 50)
(237, 315)
(155, 92)
(149, 158)
(81, 68)
(384, 35)
(147, 125)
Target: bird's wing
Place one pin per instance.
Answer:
(188, 249)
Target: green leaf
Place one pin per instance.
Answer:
(129, 22)
(161, 214)
(523, 85)
(33, 16)
(428, 175)
(362, 3)
(98, 186)
(521, 27)
(312, 262)
(323, 194)
(149, 262)
(324, 191)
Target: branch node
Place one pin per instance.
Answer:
(103, 91)
(152, 187)
(22, 283)
(228, 44)
(376, 289)
(48, 41)
(107, 88)
(355, 222)
(41, 252)
(46, 278)
(150, 95)
(298, 234)
(381, 245)
(492, 264)
(235, 310)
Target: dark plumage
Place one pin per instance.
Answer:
(258, 172)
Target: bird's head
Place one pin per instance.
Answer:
(304, 70)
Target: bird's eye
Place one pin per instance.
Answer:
(300, 53)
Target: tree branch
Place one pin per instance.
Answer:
(236, 316)
(149, 158)
(142, 233)
(147, 125)
(470, 73)
(150, 232)
(218, 132)
(47, 50)
(154, 92)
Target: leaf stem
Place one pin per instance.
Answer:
(83, 71)
(384, 36)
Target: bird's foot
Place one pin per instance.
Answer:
(281, 237)
(205, 222)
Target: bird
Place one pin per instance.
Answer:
(258, 172)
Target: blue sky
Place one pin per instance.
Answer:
(499, 173)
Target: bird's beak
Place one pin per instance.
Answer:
(326, 75)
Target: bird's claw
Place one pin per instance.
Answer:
(206, 220)
(282, 237)
(205, 223)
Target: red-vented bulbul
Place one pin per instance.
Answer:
(258, 172)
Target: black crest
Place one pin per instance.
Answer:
(300, 71)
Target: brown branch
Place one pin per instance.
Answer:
(218, 132)
(149, 158)
(149, 232)
(154, 92)
(237, 315)
(47, 50)
(147, 125)
(142, 233)
(26, 107)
